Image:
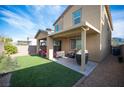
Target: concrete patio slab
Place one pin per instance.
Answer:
(72, 64)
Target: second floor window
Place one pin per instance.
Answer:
(58, 28)
(76, 17)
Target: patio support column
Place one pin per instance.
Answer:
(38, 45)
(50, 48)
(83, 48)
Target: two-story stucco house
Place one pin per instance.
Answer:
(85, 27)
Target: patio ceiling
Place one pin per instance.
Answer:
(72, 33)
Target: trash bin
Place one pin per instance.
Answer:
(120, 59)
(116, 51)
(78, 57)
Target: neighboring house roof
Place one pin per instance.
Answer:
(106, 6)
(40, 31)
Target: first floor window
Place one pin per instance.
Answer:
(78, 44)
(57, 43)
(75, 43)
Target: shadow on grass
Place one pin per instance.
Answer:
(45, 75)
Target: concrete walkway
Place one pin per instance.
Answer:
(108, 73)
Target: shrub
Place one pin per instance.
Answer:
(10, 49)
(7, 64)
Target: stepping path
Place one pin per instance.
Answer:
(5, 80)
(108, 73)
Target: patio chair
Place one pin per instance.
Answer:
(60, 54)
(71, 54)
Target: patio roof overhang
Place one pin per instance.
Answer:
(69, 29)
(41, 34)
(75, 31)
(67, 34)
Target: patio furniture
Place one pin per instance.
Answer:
(78, 57)
(60, 54)
(70, 54)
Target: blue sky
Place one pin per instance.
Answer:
(20, 22)
(117, 12)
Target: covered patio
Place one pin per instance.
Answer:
(72, 64)
(87, 38)
(41, 37)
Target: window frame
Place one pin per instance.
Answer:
(73, 19)
(75, 47)
(71, 47)
(59, 27)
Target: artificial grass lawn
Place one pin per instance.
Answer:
(37, 71)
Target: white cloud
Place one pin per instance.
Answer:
(37, 17)
(36, 11)
(38, 8)
(118, 28)
(118, 23)
(18, 21)
(57, 8)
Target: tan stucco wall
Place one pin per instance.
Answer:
(93, 46)
(49, 48)
(65, 45)
(89, 13)
(92, 15)
(105, 40)
(66, 19)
